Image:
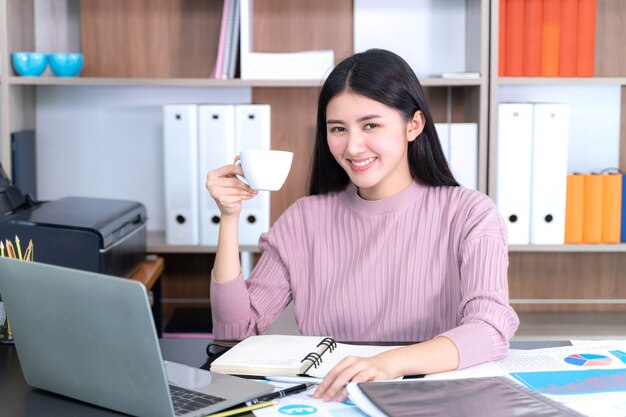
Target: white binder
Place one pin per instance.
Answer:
(549, 173)
(252, 131)
(180, 140)
(464, 153)
(515, 121)
(443, 131)
(216, 145)
(459, 142)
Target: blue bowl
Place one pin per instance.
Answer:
(29, 64)
(66, 64)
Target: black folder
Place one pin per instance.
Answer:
(24, 162)
(469, 397)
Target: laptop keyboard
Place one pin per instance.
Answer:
(186, 401)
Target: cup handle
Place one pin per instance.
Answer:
(238, 162)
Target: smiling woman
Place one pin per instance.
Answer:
(386, 248)
(369, 140)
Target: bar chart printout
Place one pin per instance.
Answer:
(592, 381)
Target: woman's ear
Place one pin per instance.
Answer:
(415, 126)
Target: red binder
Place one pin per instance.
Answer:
(586, 38)
(568, 48)
(550, 38)
(533, 12)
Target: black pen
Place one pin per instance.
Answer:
(282, 393)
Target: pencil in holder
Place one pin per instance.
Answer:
(10, 250)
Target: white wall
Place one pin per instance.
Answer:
(107, 141)
(594, 120)
(431, 35)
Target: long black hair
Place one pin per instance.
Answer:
(385, 77)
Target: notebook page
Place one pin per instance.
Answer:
(268, 355)
(330, 359)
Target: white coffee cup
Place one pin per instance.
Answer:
(265, 170)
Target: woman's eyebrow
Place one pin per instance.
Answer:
(360, 119)
(368, 117)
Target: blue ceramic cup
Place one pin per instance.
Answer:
(66, 64)
(29, 64)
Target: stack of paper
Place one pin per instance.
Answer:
(304, 65)
(308, 65)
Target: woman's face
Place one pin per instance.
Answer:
(370, 141)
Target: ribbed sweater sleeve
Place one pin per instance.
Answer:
(243, 308)
(430, 261)
(487, 321)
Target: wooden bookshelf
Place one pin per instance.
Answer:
(558, 288)
(172, 43)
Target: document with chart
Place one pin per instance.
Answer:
(589, 378)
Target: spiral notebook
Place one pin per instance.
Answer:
(287, 355)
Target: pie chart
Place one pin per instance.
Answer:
(588, 359)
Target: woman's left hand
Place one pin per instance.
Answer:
(352, 369)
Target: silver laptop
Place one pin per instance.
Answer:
(92, 337)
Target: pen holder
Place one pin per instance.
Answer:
(6, 335)
(15, 252)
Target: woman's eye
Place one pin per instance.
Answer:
(370, 126)
(337, 129)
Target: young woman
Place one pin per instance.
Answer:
(387, 246)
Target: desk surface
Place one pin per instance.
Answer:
(18, 399)
(149, 271)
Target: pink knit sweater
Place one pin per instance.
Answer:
(425, 262)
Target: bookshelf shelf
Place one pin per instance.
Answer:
(160, 82)
(568, 326)
(562, 81)
(569, 248)
(156, 244)
(210, 82)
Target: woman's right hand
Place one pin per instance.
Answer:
(227, 190)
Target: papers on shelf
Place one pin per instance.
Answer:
(306, 65)
(471, 75)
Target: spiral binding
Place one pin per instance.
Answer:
(316, 358)
(329, 342)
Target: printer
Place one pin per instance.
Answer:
(93, 234)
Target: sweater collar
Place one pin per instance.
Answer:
(373, 207)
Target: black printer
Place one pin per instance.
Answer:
(92, 234)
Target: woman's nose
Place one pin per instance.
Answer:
(356, 143)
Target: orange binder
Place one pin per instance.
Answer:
(568, 47)
(592, 209)
(533, 11)
(611, 208)
(550, 37)
(586, 55)
(502, 38)
(574, 208)
(515, 38)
